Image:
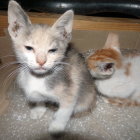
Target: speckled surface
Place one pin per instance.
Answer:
(106, 122)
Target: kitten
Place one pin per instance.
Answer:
(117, 76)
(52, 70)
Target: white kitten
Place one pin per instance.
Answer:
(117, 76)
(52, 70)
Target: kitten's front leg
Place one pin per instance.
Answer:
(37, 112)
(39, 108)
(61, 118)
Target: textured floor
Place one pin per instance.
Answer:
(106, 122)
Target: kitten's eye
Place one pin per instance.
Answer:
(29, 48)
(53, 50)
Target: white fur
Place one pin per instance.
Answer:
(35, 88)
(61, 120)
(51, 69)
(122, 85)
(41, 39)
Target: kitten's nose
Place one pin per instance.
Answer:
(41, 63)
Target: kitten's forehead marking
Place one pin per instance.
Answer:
(40, 36)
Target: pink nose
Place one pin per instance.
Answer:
(41, 63)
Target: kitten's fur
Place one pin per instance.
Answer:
(117, 76)
(52, 69)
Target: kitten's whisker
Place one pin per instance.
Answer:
(13, 73)
(25, 69)
(63, 63)
(22, 67)
(7, 56)
(9, 64)
(65, 57)
(10, 76)
(57, 69)
(14, 83)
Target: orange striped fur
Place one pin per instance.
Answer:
(103, 55)
(99, 68)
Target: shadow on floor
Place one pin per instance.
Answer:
(69, 136)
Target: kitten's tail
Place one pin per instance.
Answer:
(121, 102)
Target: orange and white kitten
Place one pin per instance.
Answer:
(51, 68)
(117, 76)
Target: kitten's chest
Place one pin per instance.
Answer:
(38, 85)
(36, 88)
(116, 86)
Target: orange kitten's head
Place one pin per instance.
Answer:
(103, 62)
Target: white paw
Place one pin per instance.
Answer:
(56, 127)
(37, 112)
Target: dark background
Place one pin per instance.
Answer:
(109, 8)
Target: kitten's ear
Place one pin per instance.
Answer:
(112, 42)
(17, 19)
(63, 26)
(106, 68)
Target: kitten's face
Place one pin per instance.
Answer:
(103, 63)
(39, 47)
(39, 50)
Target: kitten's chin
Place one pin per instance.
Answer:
(39, 71)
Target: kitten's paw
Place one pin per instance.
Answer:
(37, 112)
(56, 128)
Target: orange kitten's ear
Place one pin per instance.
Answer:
(105, 69)
(102, 70)
(112, 42)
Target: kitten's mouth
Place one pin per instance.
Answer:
(42, 70)
(39, 70)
